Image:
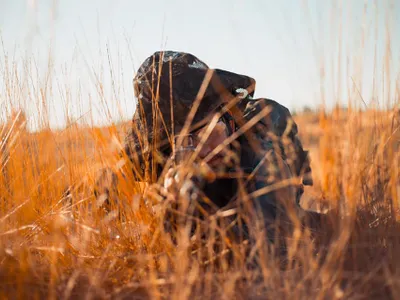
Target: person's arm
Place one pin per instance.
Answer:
(274, 154)
(280, 126)
(135, 149)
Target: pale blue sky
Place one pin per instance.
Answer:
(282, 44)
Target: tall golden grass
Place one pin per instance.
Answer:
(55, 244)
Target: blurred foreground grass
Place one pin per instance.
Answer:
(49, 249)
(53, 246)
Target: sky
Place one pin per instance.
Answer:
(81, 56)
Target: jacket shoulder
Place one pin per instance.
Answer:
(277, 120)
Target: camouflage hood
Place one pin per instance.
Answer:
(167, 85)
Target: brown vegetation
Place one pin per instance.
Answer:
(50, 249)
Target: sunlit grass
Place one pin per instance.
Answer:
(56, 241)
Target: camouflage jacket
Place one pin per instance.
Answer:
(272, 152)
(268, 148)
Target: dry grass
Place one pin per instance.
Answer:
(54, 245)
(50, 250)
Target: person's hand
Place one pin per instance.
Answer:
(172, 179)
(181, 182)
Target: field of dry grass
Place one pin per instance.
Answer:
(60, 245)
(50, 249)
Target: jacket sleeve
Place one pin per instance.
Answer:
(277, 155)
(134, 148)
(279, 130)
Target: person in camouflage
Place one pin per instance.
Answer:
(254, 143)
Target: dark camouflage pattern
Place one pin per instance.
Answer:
(167, 85)
(270, 150)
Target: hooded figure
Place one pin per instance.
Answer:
(178, 92)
